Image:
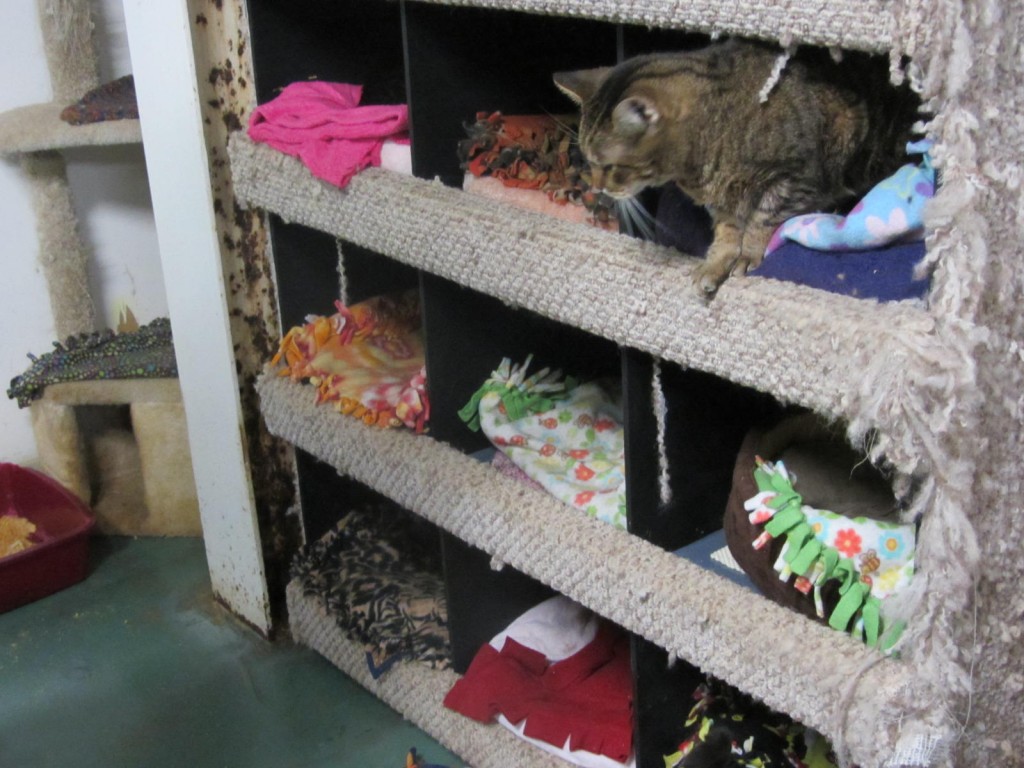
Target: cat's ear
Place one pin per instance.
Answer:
(634, 115)
(581, 84)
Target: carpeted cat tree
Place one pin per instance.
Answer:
(137, 477)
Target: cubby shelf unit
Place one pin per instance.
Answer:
(641, 297)
(908, 379)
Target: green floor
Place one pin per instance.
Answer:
(137, 666)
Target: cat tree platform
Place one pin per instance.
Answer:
(38, 128)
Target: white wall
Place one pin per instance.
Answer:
(111, 196)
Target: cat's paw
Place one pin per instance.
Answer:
(709, 276)
(706, 279)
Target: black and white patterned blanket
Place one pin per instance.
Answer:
(378, 572)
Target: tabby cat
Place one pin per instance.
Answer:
(754, 150)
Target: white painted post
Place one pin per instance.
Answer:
(160, 42)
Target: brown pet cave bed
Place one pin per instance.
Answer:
(830, 476)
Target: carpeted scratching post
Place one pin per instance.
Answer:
(68, 42)
(60, 447)
(171, 507)
(62, 252)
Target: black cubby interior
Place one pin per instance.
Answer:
(662, 697)
(706, 419)
(482, 599)
(450, 63)
(327, 496)
(468, 334)
(357, 43)
(467, 60)
(306, 268)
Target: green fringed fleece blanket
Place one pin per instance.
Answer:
(871, 559)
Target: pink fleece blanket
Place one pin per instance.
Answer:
(323, 125)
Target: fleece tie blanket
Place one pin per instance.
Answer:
(323, 125)
(530, 154)
(871, 253)
(871, 559)
(559, 677)
(891, 212)
(726, 727)
(377, 575)
(566, 436)
(366, 359)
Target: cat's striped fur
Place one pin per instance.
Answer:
(824, 134)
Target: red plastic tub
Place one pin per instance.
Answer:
(63, 522)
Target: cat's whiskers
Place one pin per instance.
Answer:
(569, 128)
(635, 219)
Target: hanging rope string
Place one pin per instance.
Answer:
(660, 413)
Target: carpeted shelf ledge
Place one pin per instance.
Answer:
(866, 25)
(413, 690)
(38, 128)
(787, 661)
(801, 345)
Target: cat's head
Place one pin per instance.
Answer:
(626, 123)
